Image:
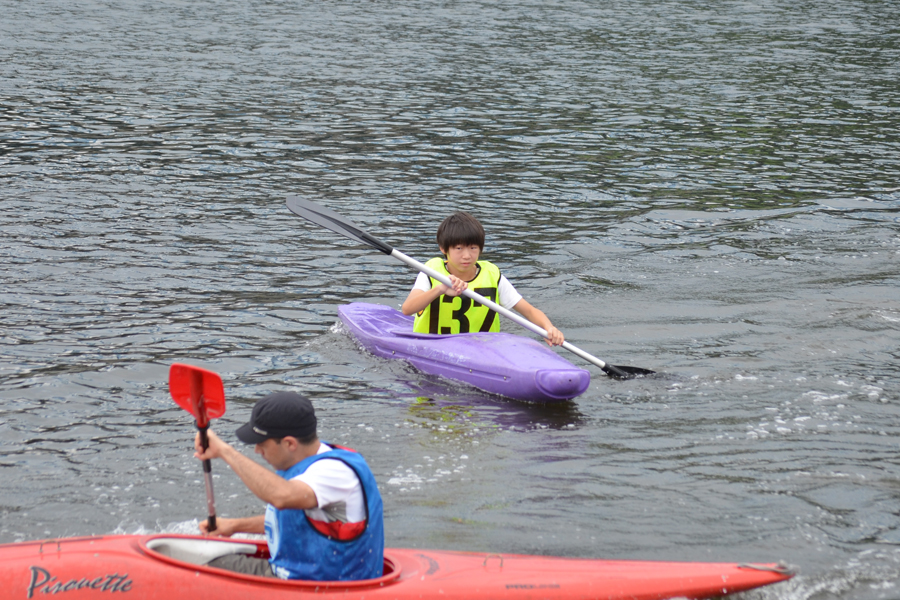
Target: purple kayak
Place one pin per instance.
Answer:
(498, 363)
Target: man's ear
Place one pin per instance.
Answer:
(292, 442)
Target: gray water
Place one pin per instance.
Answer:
(707, 189)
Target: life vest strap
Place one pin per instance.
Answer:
(338, 530)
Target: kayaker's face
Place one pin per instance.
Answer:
(275, 453)
(461, 258)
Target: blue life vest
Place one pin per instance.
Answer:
(300, 548)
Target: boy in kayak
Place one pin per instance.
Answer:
(442, 309)
(324, 517)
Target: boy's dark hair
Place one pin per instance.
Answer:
(460, 228)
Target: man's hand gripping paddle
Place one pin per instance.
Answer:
(200, 392)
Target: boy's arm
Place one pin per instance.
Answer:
(536, 316)
(418, 299)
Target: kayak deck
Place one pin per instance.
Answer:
(169, 567)
(499, 363)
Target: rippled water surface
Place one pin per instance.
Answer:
(707, 189)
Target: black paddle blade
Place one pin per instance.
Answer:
(331, 220)
(623, 372)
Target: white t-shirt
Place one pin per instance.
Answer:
(337, 488)
(508, 296)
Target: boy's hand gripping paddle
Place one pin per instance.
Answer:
(200, 392)
(329, 219)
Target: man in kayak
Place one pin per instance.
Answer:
(442, 309)
(324, 517)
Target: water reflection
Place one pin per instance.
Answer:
(461, 409)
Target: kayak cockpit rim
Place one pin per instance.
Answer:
(194, 552)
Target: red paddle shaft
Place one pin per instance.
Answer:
(201, 393)
(207, 475)
(203, 426)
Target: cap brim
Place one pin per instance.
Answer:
(246, 434)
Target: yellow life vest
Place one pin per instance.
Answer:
(459, 314)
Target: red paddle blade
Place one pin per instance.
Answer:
(198, 391)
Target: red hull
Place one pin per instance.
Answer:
(126, 566)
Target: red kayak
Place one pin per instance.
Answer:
(171, 567)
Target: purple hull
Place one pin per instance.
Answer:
(499, 363)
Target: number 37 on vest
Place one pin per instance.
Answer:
(459, 314)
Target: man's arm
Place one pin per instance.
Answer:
(228, 527)
(266, 485)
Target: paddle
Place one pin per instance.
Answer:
(331, 220)
(200, 392)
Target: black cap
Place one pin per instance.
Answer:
(278, 415)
